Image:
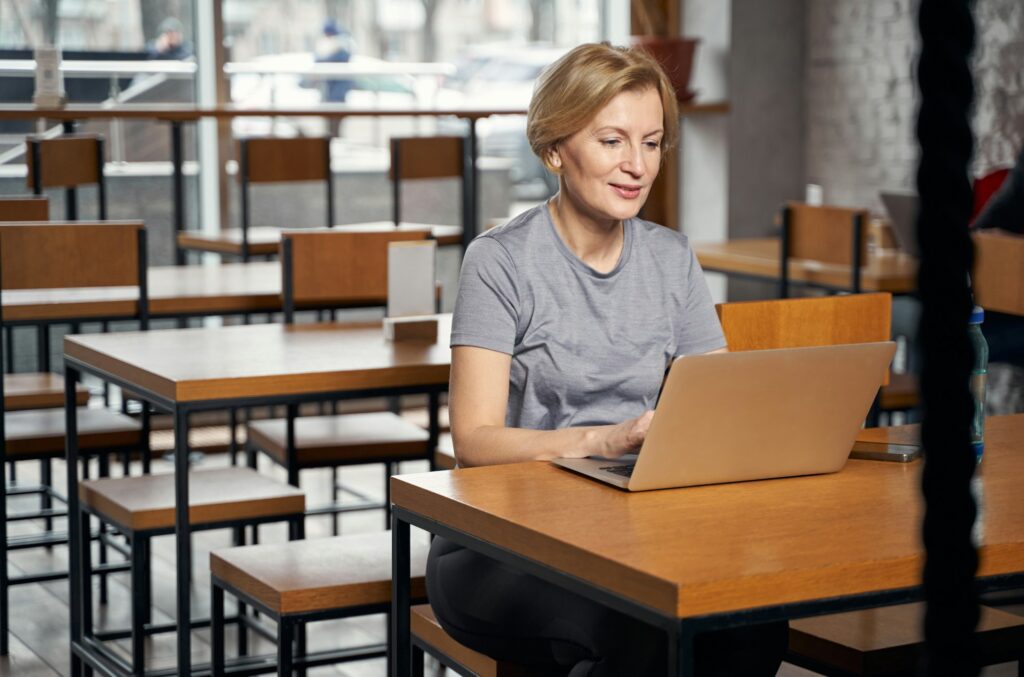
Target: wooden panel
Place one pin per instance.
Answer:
(300, 159)
(66, 161)
(40, 432)
(338, 440)
(319, 574)
(889, 640)
(423, 625)
(29, 208)
(219, 495)
(257, 360)
(38, 391)
(825, 233)
(712, 549)
(79, 254)
(998, 282)
(427, 157)
(793, 323)
(334, 264)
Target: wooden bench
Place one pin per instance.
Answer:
(889, 640)
(143, 507)
(303, 581)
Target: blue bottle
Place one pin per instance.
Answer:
(979, 375)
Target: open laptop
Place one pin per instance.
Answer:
(902, 210)
(730, 417)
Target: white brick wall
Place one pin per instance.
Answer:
(861, 96)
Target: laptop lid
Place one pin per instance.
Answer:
(902, 210)
(729, 417)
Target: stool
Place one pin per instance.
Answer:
(889, 640)
(143, 507)
(304, 581)
(429, 637)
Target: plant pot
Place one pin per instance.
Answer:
(676, 57)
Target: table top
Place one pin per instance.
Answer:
(264, 360)
(716, 549)
(173, 290)
(265, 239)
(886, 270)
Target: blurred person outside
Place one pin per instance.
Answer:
(171, 42)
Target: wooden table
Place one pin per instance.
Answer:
(886, 270)
(701, 558)
(183, 371)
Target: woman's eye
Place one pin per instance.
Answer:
(610, 143)
(653, 145)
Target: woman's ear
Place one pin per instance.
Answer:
(553, 160)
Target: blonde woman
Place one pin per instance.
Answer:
(565, 321)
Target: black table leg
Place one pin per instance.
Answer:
(183, 538)
(400, 655)
(177, 162)
(74, 533)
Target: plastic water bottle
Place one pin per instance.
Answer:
(979, 375)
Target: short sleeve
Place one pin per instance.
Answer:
(699, 331)
(487, 304)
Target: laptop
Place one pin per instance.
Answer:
(759, 414)
(902, 210)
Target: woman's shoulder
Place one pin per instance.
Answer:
(514, 235)
(659, 237)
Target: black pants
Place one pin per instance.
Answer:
(519, 618)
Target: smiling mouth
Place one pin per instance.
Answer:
(626, 191)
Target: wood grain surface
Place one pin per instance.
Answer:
(25, 208)
(40, 432)
(713, 549)
(65, 161)
(998, 262)
(38, 391)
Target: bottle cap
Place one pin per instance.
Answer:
(977, 315)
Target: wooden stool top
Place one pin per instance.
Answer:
(39, 391)
(347, 438)
(40, 432)
(219, 495)
(901, 392)
(319, 574)
(889, 639)
(424, 626)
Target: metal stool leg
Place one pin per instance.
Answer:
(217, 630)
(140, 547)
(285, 639)
(238, 538)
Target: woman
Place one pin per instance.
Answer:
(565, 321)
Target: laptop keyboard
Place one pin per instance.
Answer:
(624, 470)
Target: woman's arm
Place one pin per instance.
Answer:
(478, 398)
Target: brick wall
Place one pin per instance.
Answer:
(861, 95)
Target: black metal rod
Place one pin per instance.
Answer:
(74, 534)
(329, 178)
(856, 260)
(138, 635)
(178, 189)
(243, 193)
(400, 656)
(217, 630)
(287, 279)
(470, 187)
(101, 183)
(183, 539)
(784, 247)
(396, 181)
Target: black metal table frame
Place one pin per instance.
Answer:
(85, 652)
(680, 632)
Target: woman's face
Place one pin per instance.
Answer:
(607, 167)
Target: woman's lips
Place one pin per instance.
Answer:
(626, 191)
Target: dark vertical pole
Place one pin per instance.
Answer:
(400, 646)
(70, 194)
(101, 184)
(178, 188)
(182, 537)
(142, 263)
(43, 347)
(217, 630)
(944, 133)
(784, 253)
(396, 181)
(433, 424)
(243, 173)
(856, 262)
(74, 534)
(330, 183)
(140, 544)
(287, 280)
(470, 191)
(291, 455)
(34, 146)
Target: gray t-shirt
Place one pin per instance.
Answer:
(587, 348)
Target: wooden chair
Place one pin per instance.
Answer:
(270, 160)
(321, 268)
(889, 641)
(25, 208)
(433, 157)
(143, 507)
(67, 162)
(996, 281)
(304, 581)
(830, 235)
(58, 256)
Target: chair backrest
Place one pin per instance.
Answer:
(25, 208)
(805, 322)
(429, 157)
(996, 281)
(273, 160)
(67, 161)
(343, 265)
(836, 235)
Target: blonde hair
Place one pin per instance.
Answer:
(571, 91)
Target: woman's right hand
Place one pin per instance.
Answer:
(626, 437)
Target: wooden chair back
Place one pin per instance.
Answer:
(344, 265)
(835, 235)
(67, 161)
(432, 157)
(59, 255)
(805, 322)
(997, 282)
(25, 208)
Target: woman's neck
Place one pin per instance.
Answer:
(598, 243)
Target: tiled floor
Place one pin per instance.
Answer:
(39, 645)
